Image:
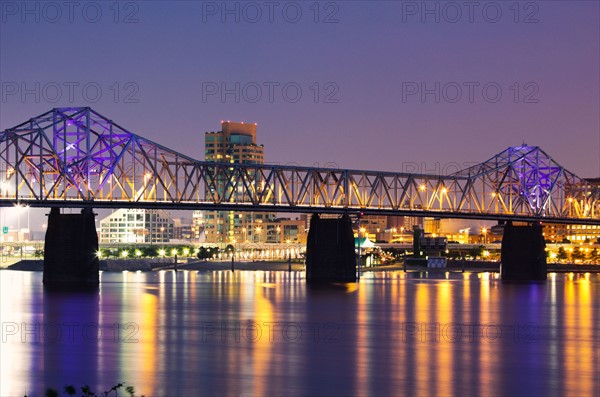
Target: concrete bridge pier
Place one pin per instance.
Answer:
(523, 256)
(330, 255)
(71, 244)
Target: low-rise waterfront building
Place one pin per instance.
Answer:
(136, 226)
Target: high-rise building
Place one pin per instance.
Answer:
(235, 143)
(182, 229)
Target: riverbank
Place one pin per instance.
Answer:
(155, 264)
(145, 265)
(109, 265)
(493, 267)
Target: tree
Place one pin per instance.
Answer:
(202, 253)
(454, 254)
(562, 254)
(477, 252)
(148, 252)
(594, 256)
(577, 254)
(230, 249)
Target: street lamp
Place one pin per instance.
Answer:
(28, 230)
(484, 232)
(19, 207)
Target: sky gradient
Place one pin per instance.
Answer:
(399, 86)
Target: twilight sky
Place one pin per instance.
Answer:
(384, 85)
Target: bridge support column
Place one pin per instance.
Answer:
(330, 255)
(70, 248)
(523, 257)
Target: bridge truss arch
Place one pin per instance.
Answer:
(75, 157)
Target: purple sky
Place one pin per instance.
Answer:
(172, 56)
(175, 53)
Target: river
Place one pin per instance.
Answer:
(256, 333)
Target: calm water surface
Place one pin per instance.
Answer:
(267, 333)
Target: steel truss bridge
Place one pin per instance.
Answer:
(75, 157)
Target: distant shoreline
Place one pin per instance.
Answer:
(152, 265)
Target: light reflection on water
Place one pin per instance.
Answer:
(267, 333)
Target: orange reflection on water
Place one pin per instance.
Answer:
(488, 351)
(261, 349)
(148, 334)
(139, 329)
(444, 352)
(362, 372)
(424, 314)
(579, 353)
